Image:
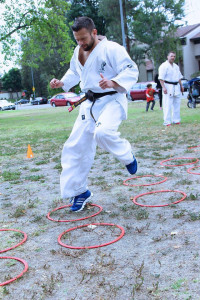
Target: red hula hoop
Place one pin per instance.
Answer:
(51, 219)
(15, 246)
(193, 147)
(165, 179)
(189, 170)
(20, 275)
(177, 158)
(154, 192)
(91, 247)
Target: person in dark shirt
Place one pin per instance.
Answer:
(159, 88)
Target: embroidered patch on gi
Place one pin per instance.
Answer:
(102, 68)
(98, 124)
(130, 66)
(83, 117)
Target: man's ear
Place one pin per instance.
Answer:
(94, 31)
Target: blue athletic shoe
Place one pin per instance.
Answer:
(132, 167)
(80, 201)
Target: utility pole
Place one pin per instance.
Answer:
(33, 88)
(122, 24)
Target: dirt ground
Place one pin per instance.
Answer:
(157, 258)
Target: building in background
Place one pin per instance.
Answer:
(189, 62)
(190, 44)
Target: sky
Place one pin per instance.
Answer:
(192, 16)
(192, 11)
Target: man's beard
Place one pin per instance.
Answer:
(89, 46)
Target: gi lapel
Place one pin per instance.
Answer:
(90, 61)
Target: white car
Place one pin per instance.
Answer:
(5, 105)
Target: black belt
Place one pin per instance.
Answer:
(94, 96)
(170, 82)
(89, 95)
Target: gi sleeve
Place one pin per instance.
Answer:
(125, 68)
(161, 72)
(71, 77)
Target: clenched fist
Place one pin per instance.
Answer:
(55, 83)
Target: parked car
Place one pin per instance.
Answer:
(64, 99)
(39, 100)
(185, 84)
(49, 99)
(6, 105)
(138, 90)
(22, 101)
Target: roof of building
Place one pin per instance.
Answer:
(183, 31)
(196, 36)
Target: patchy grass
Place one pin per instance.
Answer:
(19, 212)
(35, 177)
(160, 243)
(9, 176)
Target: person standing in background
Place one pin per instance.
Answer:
(159, 88)
(150, 96)
(170, 80)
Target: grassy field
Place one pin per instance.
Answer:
(158, 258)
(47, 129)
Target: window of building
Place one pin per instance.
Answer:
(183, 41)
(150, 75)
(197, 41)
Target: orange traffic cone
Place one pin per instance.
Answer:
(29, 152)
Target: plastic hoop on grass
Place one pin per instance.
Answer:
(154, 192)
(127, 184)
(91, 247)
(20, 243)
(189, 170)
(179, 158)
(193, 147)
(58, 208)
(16, 277)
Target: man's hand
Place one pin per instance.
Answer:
(55, 83)
(182, 89)
(164, 90)
(104, 83)
(163, 86)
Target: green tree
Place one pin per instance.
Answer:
(139, 53)
(43, 70)
(110, 10)
(153, 23)
(87, 8)
(28, 24)
(40, 81)
(12, 80)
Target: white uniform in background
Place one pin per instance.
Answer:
(112, 60)
(171, 100)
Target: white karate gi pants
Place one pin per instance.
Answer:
(80, 148)
(171, 109)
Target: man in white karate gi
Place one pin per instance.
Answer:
(170, 79)
(105, 68)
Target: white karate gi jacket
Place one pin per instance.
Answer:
(112, 60)
(171, 100)
(170, 73)
(108, 58)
